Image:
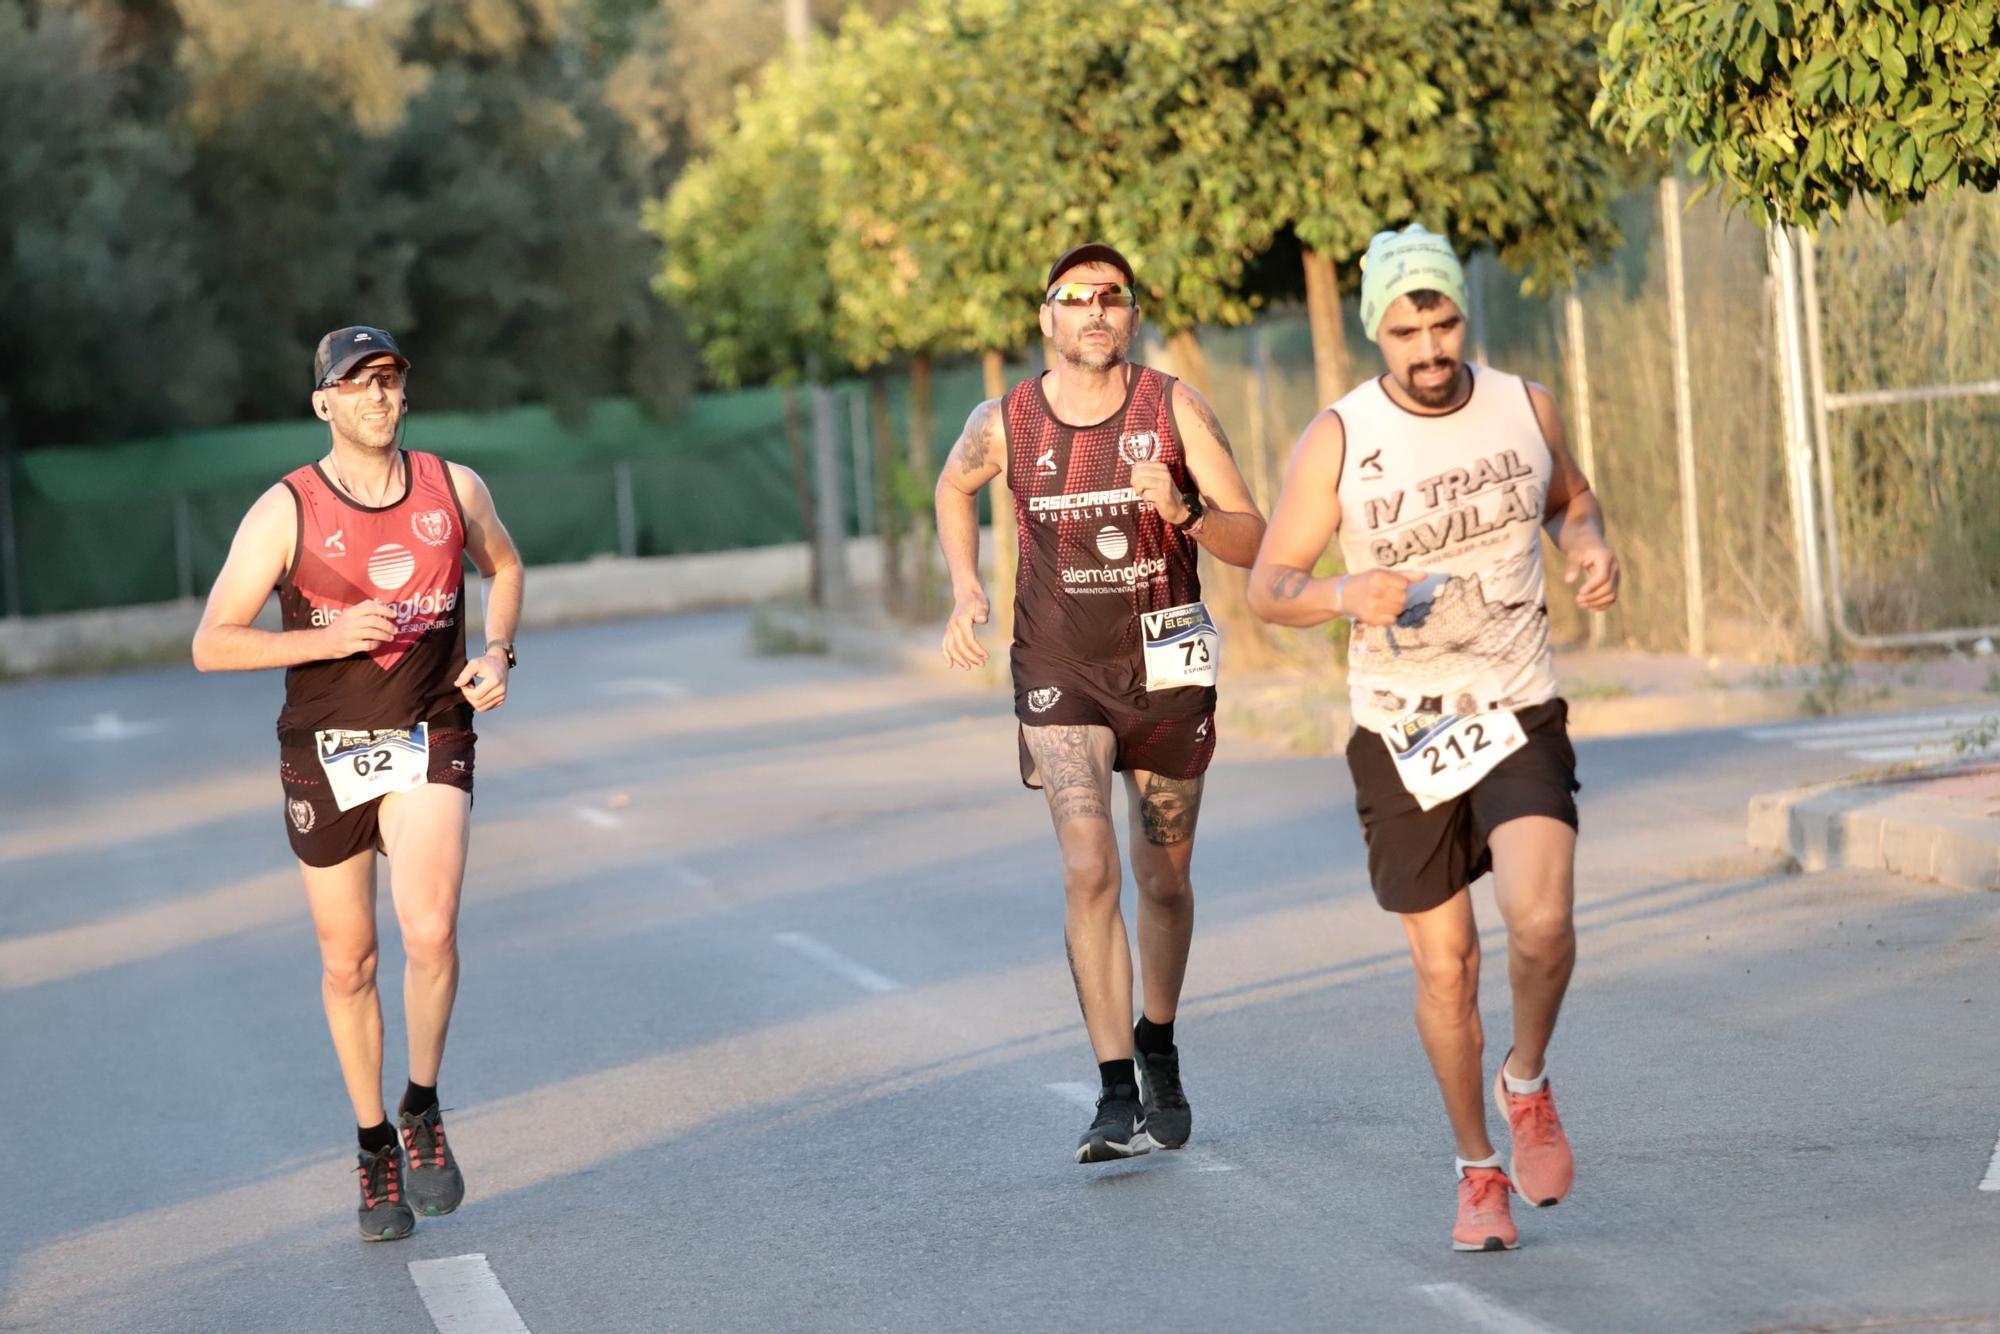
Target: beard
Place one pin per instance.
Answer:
(1434, 396)
(1099, 355)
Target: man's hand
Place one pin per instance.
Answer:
(1377, 597)
(1155, 486)
(961, 644)
(1598, 568)
(362, 628)
(483, 682)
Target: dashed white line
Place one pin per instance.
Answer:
(1475, 1308)
(592, 816)
(860, 974)
(464, 1297)
(1992, 1181)
(1085, 1095)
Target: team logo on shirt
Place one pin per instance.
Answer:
(302, 815)
(432, 526)
(1136, 447)
(391, 567)
(336, 545)
(1112, 544)
(1041, 701)
(1046, 464)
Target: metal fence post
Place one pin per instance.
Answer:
(1579, 412)
(1798, 448)
(1670, 224)
(628, 513)
(183, 545)
(10, 552)
(864, 462)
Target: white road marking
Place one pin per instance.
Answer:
(1992, 1181)
(1085, 1095)
(659, 687)
(592, 816)
(464, 1297)
(860, 974)
(1889, 740)
(111, 727)
(1478, 1310)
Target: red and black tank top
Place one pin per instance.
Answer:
(407, 555)
(1092, 559)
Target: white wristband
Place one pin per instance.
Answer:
(1339, 598)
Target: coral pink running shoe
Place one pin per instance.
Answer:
(1542, 1166)
(1485, 1220)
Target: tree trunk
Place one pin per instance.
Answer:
(1225, 588)
(1006, 542)
(795, 437)
(890, 520)
(1329, 332)
(923, 539)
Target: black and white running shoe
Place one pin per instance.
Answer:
(1119, 1130)
(1169, 1120)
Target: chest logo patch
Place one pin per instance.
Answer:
(1136, 447)
(433, 527)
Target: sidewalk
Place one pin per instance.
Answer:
(1611, 692)
(1941, 823)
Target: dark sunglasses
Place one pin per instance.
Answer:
(1111, 296)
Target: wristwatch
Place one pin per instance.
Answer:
(1194, 512)
(506, 646)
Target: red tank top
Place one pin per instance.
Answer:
(407, 555)
(1091, 559)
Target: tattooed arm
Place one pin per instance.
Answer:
(1233, 525)
(1283, 589)
(1574, 519)
(979, 456)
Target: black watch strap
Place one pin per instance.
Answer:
(506, 647)
(1195, 509)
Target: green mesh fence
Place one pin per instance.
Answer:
(151, 520)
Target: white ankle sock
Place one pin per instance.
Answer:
(1460, 1164)
(1523, 1087)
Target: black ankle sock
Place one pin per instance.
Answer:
(1114, 1073)
(376, 1138)
(1154, 1039)
(419, 1098)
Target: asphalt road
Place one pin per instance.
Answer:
(765, 1026)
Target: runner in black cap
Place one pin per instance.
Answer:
(375, 743)
(1118, 472)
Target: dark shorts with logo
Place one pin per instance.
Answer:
(1170, 732)
(324, 835)
(1419, 858)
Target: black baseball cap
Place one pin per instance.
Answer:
(344, 349)
(1091, 252)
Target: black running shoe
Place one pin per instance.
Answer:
(385, 1215)
(436, 1186)
(1168, 1117)
(1119, 1130)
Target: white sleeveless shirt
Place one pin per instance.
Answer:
(1459, 497)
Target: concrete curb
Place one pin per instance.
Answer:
(1912, 824)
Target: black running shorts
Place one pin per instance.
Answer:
(324, 835)
(1419, 858)
(1174, 736)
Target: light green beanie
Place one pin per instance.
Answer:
(1407, 261)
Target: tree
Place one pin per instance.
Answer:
(108, 331)
(1796, 106)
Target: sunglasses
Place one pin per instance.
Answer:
(390, 380)
(1111, 296)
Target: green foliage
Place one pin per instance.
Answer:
(1797, 106)
(745, 240)
(107, 330)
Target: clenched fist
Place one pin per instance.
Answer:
(1377, 597)
(1156, 488)
(362, 628)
